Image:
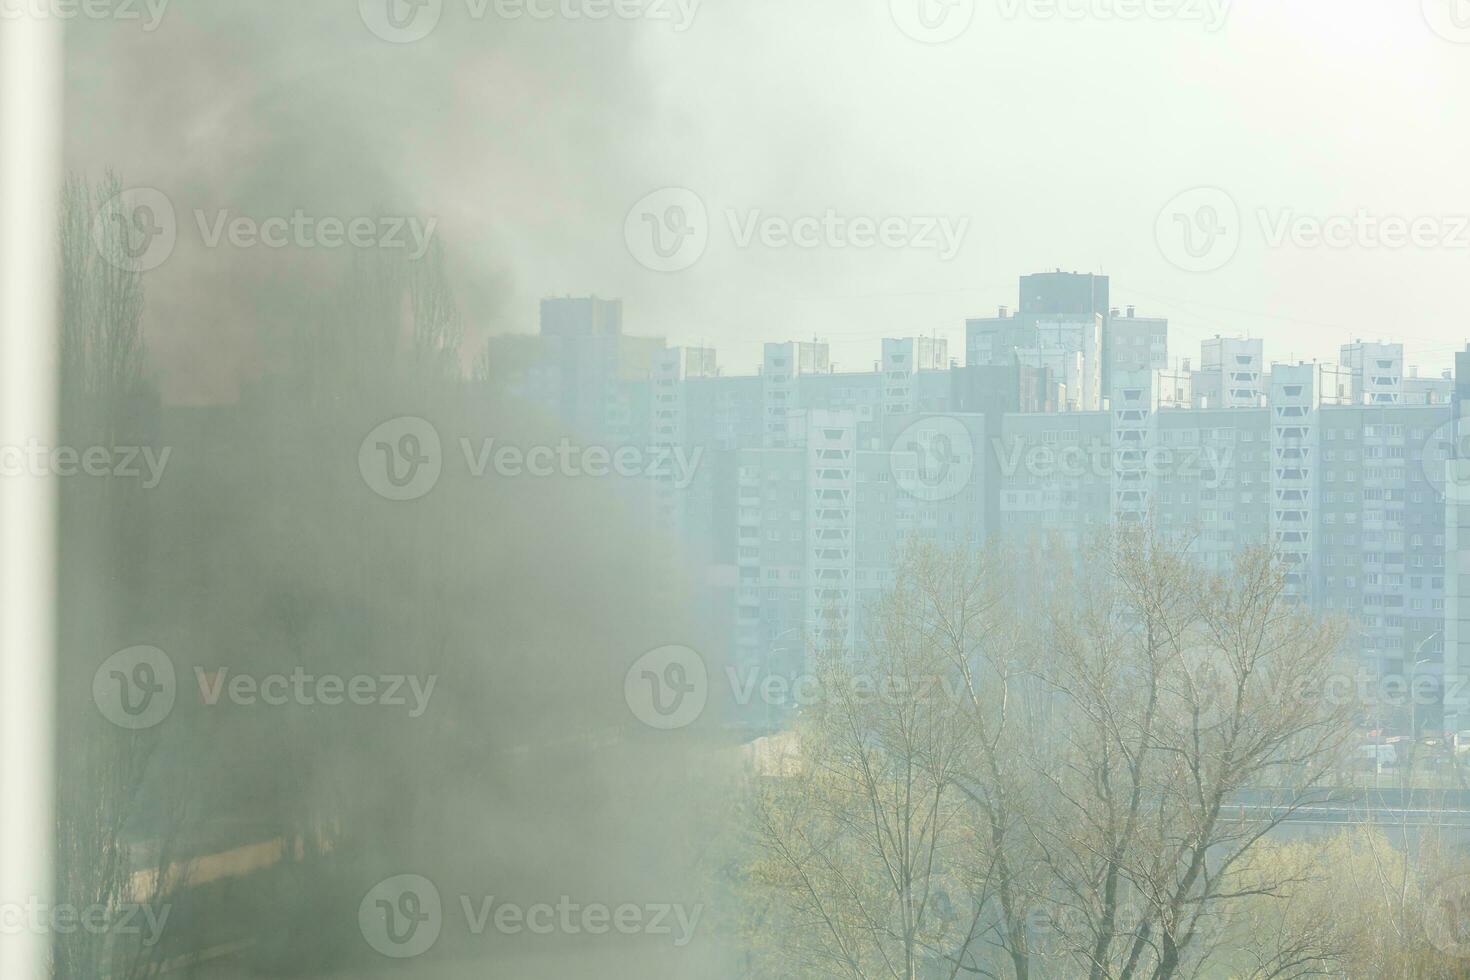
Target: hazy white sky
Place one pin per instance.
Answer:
(1061, 141)
(1059, 138)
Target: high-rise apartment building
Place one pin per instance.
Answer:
(1231, 373)
(813, 480)
(1059, 293)
(1377, 370)
(1066, 329)
(576, 368)
(1133, 343)
(1455, 439)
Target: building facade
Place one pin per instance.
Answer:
(812, 481)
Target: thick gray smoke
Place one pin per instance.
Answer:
(505, 767)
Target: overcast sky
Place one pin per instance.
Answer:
(1047, 139)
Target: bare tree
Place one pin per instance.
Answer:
(969, 610)
(101, 298)
(1181, 691)
(1118, 750)
(1355, 908)
(119, 835)
(438, 328)
(118, 824)
(862, 840)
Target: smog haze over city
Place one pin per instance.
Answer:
(901, 489)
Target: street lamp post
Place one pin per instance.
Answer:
(1414, 705)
